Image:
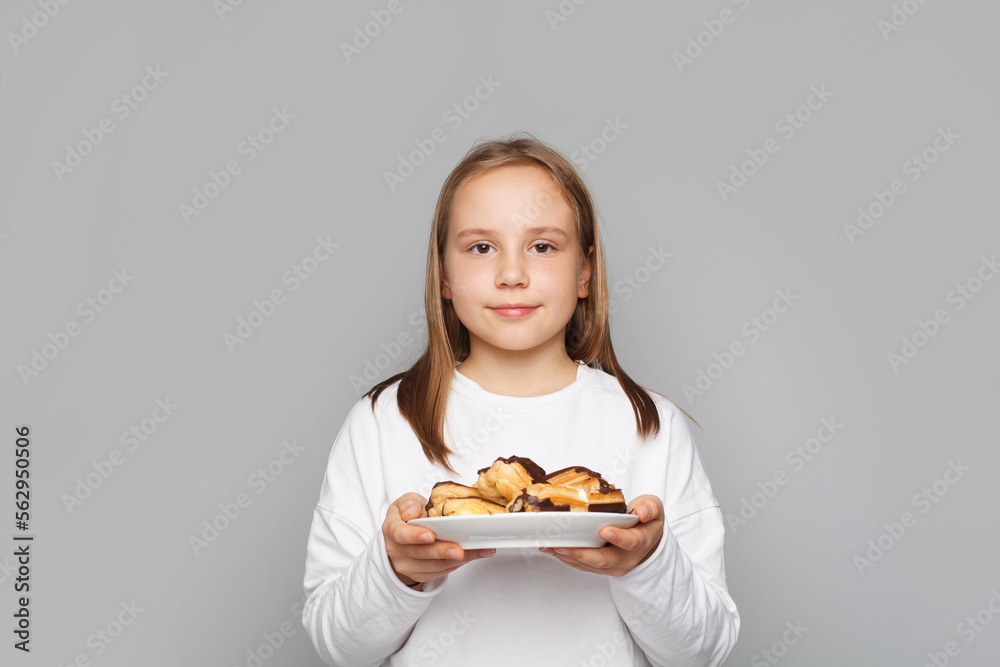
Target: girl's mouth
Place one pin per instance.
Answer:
(515, 310)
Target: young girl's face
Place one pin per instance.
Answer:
(513, 268)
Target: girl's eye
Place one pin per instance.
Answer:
(484, 248)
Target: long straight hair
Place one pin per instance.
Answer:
(423, 390)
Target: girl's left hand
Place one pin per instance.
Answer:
(629, 546)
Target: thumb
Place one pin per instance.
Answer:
(410, 506)
(647, 508)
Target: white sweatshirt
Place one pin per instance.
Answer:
(518, 607)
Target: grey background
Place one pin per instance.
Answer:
(655, 186)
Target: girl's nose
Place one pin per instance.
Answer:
(512, 270)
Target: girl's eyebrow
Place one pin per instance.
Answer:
(531, 232)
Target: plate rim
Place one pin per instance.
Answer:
(505, 534)
(465, 517)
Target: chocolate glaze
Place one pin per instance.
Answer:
(541, 505)
(535, 471)
(546, 505)
(614, 508)
(526, 499)
(605, 487)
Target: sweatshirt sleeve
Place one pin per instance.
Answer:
(357, 611)
(676, 604)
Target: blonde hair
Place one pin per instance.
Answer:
(423, 390)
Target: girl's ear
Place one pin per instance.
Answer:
(445, 288)
(585, 270)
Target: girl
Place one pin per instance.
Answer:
(519, 361)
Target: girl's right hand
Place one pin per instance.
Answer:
(414, 553)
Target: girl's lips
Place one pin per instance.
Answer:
(515, 312)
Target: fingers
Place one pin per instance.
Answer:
(424, 562)
(402, 533)
(438, 560)
(424, 569)
(442, 551)
(628, 546)
(627, 539)
(603, 560)
(418, 544)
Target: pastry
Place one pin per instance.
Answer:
(612, 501)
(518, 484)
(549, 498)
(602, 496)
(505, 478)
(444, 490)
(578, 476)
(476, 505)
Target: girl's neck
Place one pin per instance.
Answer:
(524, 375)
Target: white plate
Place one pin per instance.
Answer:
(525, 529)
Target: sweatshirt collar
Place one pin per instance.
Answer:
(471, 389)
